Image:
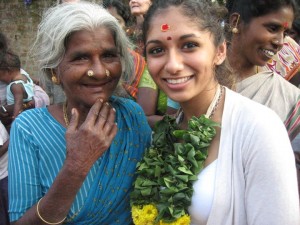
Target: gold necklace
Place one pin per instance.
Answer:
(65, 114)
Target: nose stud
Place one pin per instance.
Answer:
(275, 42)
(107, 73)
(90, 73)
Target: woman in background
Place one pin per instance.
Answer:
(257, 35)
(138, 9)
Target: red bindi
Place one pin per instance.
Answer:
(165, 27)
(169, 38)
(285, 24)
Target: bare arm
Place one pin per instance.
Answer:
(18, 92)
(147, 99)
(81, 155)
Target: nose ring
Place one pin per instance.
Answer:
(90, 73)
(107, 73)
(276, 42)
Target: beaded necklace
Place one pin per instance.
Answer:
(212, 107)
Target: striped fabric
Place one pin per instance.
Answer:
(292, 122)
(286, 62)
(276, 93)
(139, 67)
(38, 149)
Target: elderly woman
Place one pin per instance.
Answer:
(73, 163)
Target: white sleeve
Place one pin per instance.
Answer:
(270, 175)
(3, 134)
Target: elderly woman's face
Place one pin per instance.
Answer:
(90, 51)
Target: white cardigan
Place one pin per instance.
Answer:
(256, 180)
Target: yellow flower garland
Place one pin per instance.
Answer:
(146, 215)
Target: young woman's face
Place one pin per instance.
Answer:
(139, 7)
(181, 57)
(263, 37)
(85, 51)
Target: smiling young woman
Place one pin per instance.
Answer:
(218, 162)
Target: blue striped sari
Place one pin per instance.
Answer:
(37, 152)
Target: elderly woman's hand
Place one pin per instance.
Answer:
(87, 142)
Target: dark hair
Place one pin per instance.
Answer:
(296, 25)
(8, 60)
(122, 9)
(208, 17)
(249, 9)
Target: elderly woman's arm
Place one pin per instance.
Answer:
(80, 157)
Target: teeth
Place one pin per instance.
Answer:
(178, 81)
(269, 53)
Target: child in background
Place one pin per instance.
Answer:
(20, 86)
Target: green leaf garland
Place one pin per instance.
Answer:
(166, 174)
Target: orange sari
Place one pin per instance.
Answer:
(139, 66)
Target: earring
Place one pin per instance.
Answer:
(90, 73)
(107, 73)
(235, 30)
(54, 78)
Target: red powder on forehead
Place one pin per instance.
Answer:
(285, 24)
(165, 27)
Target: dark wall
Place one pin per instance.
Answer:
(19, 23)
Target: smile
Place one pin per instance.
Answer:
(178, 81)
(268, 53)
(97, 85)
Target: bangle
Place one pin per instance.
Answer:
(4, 109)
(42, 219)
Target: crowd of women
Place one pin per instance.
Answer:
(107, 153)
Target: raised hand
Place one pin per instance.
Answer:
(87, 142)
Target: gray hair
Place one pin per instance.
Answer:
(60, 21)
